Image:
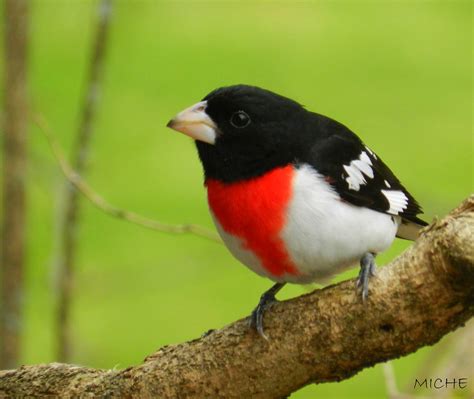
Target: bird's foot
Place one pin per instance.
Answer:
(367, 270)
(267, 298)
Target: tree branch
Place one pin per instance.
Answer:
(327, 335)
(13, 233)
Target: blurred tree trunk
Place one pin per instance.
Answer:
(69, 219)
(14, 171)
(325, 336)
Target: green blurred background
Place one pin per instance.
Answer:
(398, 73)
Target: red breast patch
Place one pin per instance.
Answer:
(254, 210)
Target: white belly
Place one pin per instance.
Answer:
(325, 235)
(322, 234)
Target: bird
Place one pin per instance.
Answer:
(296, 196)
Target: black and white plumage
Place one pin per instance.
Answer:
(296, 196)
(360, 177)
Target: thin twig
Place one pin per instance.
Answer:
(99, 202)
(391, 384)
(69, 219)
(448, 360)
(460, 363)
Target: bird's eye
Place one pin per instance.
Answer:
(239, 119)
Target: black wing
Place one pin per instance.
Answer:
(358, 175)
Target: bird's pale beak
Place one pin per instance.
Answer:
(195, 123)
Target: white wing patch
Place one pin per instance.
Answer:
(357, 170)
(355, 177)
(371, 152)
(397, 200)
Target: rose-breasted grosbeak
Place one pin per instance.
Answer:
(296, 196)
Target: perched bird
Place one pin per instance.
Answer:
(296, 196)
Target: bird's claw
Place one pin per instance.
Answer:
(266, 300)
(367, 270)
(256, 319)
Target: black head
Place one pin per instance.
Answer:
(242, 131)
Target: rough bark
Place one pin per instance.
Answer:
(70, 219)
(327, 335)
(14, 172)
